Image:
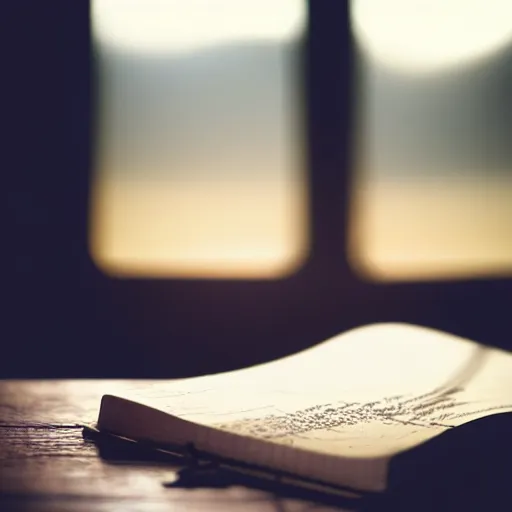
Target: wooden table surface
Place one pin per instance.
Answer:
(47, 465)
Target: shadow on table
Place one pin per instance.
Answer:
(466, 468)
(192, 471)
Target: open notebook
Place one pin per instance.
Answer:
(336, 413)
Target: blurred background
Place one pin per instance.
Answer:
(197, 186)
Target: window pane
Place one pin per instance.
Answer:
(199, 171)
(433, 183)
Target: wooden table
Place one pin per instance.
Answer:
(47, 465)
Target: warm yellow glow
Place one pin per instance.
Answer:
(430, 35)
(207, 230)
(181, 25)
(438, 229)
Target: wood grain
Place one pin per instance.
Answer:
(47, 465)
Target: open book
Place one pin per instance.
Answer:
(336, 413)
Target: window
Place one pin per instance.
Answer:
(200, 170)
(433, 173)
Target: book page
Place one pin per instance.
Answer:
(371, 392)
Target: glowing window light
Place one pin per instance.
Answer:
(431, 35)
(423, 209)
(198, 168)
(181, 25)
